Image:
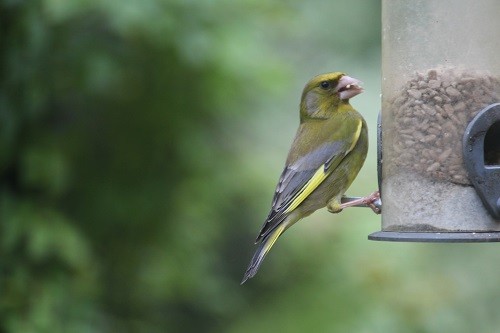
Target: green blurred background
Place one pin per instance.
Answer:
(140, 143)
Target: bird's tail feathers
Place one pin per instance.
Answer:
(264, 247)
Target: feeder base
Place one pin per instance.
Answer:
(436, 237)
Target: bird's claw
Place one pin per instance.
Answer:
(373, 201)
(376, 205)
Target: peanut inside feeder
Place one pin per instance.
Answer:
(430, 115)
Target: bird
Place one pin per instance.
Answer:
(328, 150)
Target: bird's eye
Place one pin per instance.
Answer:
(325, 84)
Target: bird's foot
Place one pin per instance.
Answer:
(373, 201)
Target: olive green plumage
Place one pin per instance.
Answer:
(327, 153)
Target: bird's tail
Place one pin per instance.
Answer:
(264, 247)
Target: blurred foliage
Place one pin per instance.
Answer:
(140, 142)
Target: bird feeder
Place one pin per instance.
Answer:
(439, 132)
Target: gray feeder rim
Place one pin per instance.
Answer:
(436, 237)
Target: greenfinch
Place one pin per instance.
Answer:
(327, 153)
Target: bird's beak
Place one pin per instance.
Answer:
(348, 87)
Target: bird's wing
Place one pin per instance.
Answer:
(301, 178)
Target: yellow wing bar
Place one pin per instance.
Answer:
(356, 136)
(311, 185)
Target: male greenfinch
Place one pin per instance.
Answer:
(327, 153)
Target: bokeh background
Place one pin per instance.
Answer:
(140, 143)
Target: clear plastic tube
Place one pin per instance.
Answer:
(440, 67)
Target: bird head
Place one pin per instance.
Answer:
(323, 94)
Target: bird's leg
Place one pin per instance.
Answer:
(334, 205)
(372, 201)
